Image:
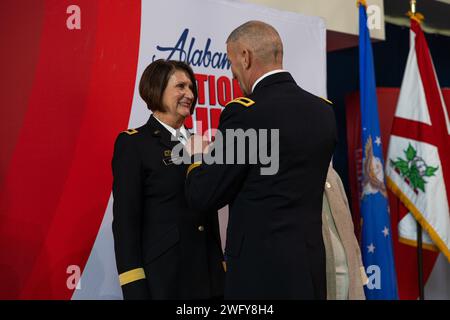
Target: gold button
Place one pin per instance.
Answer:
(201, 228)
(328, 185)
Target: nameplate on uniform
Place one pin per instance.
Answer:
(171, 160)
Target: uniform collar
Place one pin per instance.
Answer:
(274, 78)
(158, 130)
(173, 131)
(265, 75)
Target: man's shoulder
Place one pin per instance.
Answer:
(239, 107)
(318, 99)
(241, 102)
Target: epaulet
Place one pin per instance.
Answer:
(130, 131)
(326, 100)
(246, 102)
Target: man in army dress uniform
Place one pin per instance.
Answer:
(274, 246)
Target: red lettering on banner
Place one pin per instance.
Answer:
(202, 116)
(212, 90)
(226, 89)
(223, 90)
(201, 78)
(188, 122)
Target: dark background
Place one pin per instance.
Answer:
(390, 61)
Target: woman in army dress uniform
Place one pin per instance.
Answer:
(164, 250)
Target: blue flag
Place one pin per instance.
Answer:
(376, 243)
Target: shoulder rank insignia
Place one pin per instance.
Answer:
(246, 102)
(130, 131)
(326, 100)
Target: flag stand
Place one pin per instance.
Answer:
(420, 262)
(419, 227)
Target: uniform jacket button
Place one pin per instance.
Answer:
(328, 185)
(201, 228)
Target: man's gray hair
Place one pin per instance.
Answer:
(262, 38)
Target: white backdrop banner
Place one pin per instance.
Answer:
(195, 31)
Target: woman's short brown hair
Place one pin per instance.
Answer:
(154, 81)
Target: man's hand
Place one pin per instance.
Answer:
(196, 144)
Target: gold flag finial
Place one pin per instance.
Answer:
(413, 6)
(361, 2)
(413, 14)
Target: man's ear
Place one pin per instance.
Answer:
(246, 59)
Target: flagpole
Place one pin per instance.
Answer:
(420, 261)
(419, 227)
